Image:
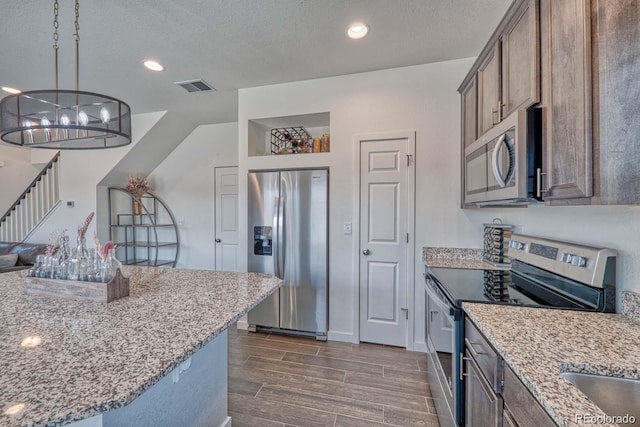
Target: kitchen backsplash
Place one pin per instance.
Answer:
(470, 254)
(631, 304)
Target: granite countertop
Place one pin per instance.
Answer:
(468, 258)
(96, 357)
(539, 344)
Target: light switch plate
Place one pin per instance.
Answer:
(347, 228)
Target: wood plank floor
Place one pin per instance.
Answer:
(283, 381)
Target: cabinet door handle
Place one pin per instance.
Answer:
(501, 111)
(540, 191)
(494, 115)
(472, 350)
(431, 313)
(218, 240)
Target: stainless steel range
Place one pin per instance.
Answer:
(544, 273)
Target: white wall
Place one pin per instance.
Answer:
(80, 173)
(185, 181)
(421, 98)
(15, 175)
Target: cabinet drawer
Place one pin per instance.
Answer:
(523, 407)
(483, 353)
(483, 407)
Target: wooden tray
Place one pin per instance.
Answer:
(118, 287)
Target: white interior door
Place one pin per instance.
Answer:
(226, 188)
(384, 197)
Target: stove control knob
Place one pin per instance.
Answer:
(516, 245)
(566, 257)
(578, 261)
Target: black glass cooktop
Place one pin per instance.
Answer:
(526, 287)
(461, 284)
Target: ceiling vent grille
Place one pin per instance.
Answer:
(197, 85)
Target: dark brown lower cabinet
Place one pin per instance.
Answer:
(483, 407)
(523, 408)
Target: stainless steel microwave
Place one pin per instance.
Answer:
(503, 167)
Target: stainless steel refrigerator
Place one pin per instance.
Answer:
(288, 235)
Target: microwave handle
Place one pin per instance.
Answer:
(495, 161)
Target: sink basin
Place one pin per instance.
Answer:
(615, 396)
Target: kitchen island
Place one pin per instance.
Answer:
(157, 357)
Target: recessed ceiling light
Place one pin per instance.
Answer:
(10, 90)
(357, 30)
(153, 65)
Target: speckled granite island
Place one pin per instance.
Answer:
(159, 354)
(539, 344)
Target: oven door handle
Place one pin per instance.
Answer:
(495, 162)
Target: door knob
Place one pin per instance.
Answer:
(218, 240)
(366, 252)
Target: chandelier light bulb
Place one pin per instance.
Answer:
(46, 123)
(83, 119)
(64, 121)
(104, 115)
(27, 124)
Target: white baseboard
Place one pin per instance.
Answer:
(242, 323)
(342, 337)
(226, 423)
(419, 346)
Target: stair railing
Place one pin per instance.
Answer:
(35, 203)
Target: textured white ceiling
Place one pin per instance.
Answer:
(229, 43)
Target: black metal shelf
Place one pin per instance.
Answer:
(143, 225)
(138, 233)
(144, 244)
(151, 263)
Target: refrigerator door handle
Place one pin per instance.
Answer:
(275, 244)
(281, 238)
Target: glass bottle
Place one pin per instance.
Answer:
(63, 255)
(45, 268)
(33, 271)
(93, 269)
(74, 266)
(82, 247)
(110, 266)
(83, 258)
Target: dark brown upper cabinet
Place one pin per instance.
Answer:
(579, 62)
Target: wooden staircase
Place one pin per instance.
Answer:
(40, 198)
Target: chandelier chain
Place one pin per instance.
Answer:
(77, 23)
(55, 41)
(77, 37)
(55, 24)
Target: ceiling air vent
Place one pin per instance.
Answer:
(197, 85)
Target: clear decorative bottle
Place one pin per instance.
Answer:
(94, 265)
(110, 266)
(83, 258)
(62, 256)
(33, 271)
(73, 272)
